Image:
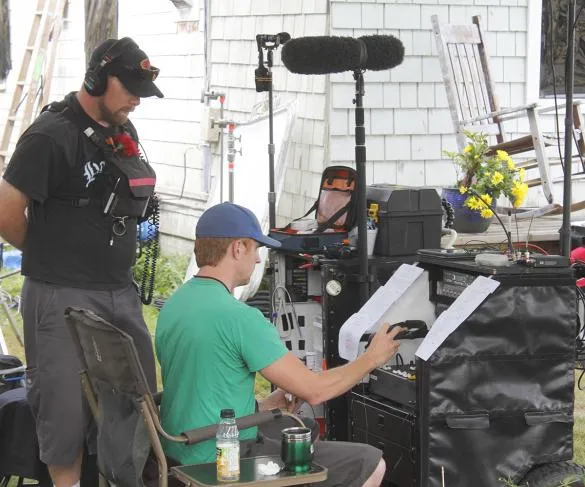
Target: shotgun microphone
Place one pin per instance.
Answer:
(330, 54)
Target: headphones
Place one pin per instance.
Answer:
(96, 79)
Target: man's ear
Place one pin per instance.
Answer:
(236, 249)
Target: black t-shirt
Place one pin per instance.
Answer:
(69, 243)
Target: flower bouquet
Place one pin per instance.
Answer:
(482, 177)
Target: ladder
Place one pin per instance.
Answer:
(39, 54)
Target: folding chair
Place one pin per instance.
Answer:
(125, 411)
(19, 450)
(473, 103)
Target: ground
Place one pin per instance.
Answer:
(262, 387)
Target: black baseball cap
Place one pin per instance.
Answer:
(123, 59)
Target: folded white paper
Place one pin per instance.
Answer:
(371, 313)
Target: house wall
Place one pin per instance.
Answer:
(408, 124)
(234, 57)
(407, 120)
(168, 127)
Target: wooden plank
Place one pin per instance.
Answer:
(35, 79)
(21, 80)
(543, 229)
(460, 34)
(101, 23)
(53, 43)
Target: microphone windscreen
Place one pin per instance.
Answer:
(322, 54)
(283, 37)
(384, 52)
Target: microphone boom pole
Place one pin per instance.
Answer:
(360, 163)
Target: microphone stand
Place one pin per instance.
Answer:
(271, 191)
(263, 79)
(360, 163)
(569, 87)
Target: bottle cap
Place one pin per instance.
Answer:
(227, 413)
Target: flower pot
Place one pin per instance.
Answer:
(466, 220)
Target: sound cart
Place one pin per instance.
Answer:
(494, 402)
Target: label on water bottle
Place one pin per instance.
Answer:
(228, 461)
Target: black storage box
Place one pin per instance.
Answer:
(409, 219)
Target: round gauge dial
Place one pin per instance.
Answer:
(333, 287)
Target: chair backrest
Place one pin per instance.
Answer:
(107, 353)
(467, 78)
(118, 392)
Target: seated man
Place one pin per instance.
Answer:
(210, 346)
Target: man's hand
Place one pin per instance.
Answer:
(280, 399)
(383, 346)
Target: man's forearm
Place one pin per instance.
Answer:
(15, 234)
(337, 381)
(13, 220)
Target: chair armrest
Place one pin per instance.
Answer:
(513, 112)
(552, 108)
(157, 397)
(207, 432)
(14, 370)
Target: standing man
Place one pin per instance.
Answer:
(210, 346)
(68, 200)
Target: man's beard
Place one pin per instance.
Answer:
(112, 118)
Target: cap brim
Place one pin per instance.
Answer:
(139, 87)
(268, 242)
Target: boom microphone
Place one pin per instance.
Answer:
(384, 52)
(326, 54)
(322, 54)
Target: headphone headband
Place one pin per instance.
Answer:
(95, 81)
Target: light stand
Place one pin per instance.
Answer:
(569, 87)
(205, 97)
(360, 163)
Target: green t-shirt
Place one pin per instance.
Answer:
(209, 346)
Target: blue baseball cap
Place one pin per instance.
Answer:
(232, 221)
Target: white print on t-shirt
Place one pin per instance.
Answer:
(91, 170)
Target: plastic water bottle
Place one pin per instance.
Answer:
(227, 447)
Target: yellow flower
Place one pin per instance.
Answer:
(503, 156)
(462, 189)
(467, 148)
(486, 213)
(486, 199)
(519, 191)
(522, 174)
(497, 178)
(473, 203)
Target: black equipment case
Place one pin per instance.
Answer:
(409, 219)
(496, 398)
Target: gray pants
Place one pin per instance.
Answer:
(63, 418)
(348, 464)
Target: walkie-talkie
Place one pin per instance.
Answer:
(416, 329)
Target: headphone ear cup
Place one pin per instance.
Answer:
(95, 82)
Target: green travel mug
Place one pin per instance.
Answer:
(296, 449)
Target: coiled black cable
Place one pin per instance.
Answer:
(151, 252)
(449, 213)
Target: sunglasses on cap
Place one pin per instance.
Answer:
(149, 74)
